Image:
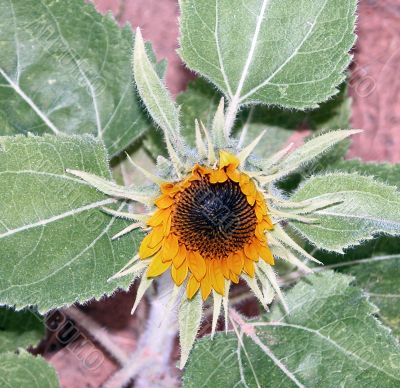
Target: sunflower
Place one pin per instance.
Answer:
(214, 212)
(208, 228)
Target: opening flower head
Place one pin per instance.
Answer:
(214, 213)
(209, 227)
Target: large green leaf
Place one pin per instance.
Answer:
(64, 68)
(55, 245)
(26, 371)
(283, 52)
(365, 208)
(329, 339)
(19, 329)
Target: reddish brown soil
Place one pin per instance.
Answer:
(375, 84)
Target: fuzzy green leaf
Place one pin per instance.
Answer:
(330, 338)
(282, 52)
(366, 208)
(385, 172)
(379, 277)
(55, 244)
(26, 371)
(64, 68)
(19, 329)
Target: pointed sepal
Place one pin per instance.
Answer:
(190, 313)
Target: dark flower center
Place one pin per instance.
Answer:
(213, 219)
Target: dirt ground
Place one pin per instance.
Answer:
(374, 86)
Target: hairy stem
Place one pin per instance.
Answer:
(231, 114)
(151, 360)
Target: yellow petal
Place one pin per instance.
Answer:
(267, 223)
(164, 201)
(218, 176)
(170, 247)
(249, 189)
(198, 171)
(244, 179)
(259, 213)
(235, 263)
(145, 251)
(180, 257)
(167, 225)
(167, 187)
(217, 278)
(251, 199)
(250, 251)
(233, 175)
(260, 198)
(158, 217)
(192, 287)
(234, 277)
(179, 274)
(205, 286)
(225, 268)
(226, 159)
(170, 189)
(260, 202)
(157, 267)
(249, 267)
(156, 237)
(260, 232)
(267, 256)
(197, 265)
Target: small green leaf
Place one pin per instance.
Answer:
(153, 92)
(66, 69)
(310, 150)
(26, 371)
(272, 52)
(55, 244)
(19, 329)
(190, 313)
(329, 339)
(365, 208)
